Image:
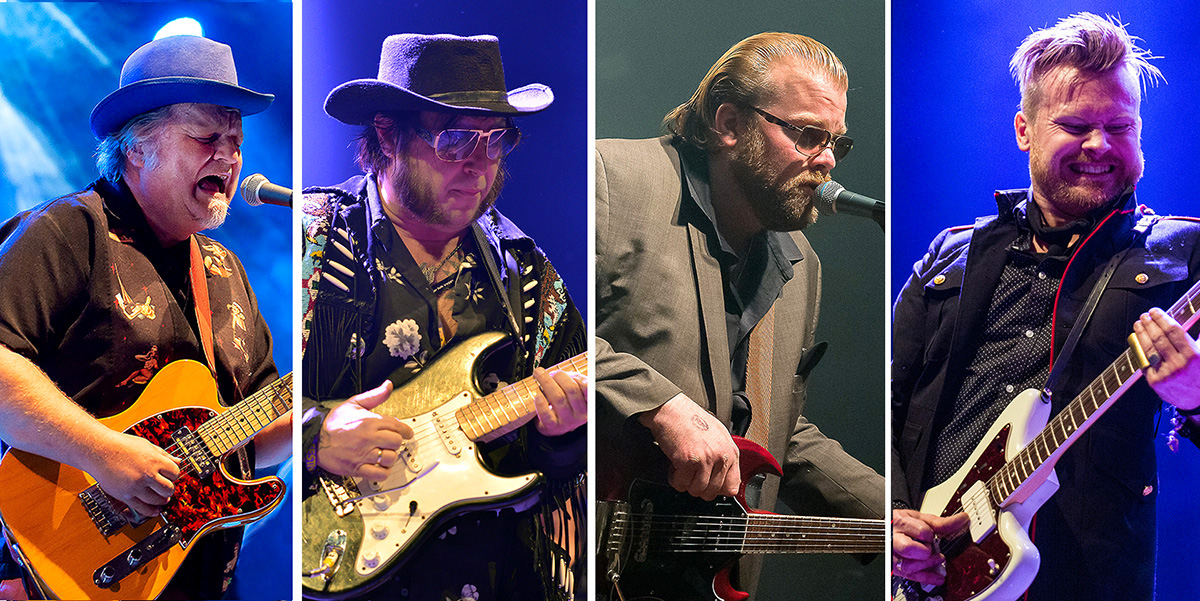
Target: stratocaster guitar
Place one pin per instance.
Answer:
(1010, 474)
(358, 532)
(79, 543)
(660, 544)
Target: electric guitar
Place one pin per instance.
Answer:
(79, 543)
(661, 544)
(358, 532)
(1010, 474)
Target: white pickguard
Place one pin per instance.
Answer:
(455, 477)
(1027, 415)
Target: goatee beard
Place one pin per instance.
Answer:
(217, 212)
(780, 204)
(420, 200)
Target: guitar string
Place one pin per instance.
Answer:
(186, 466)
(1008, 477)
(493, 405)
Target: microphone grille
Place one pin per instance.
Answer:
(827, 194)
(250, 187)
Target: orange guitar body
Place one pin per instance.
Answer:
(59, 538)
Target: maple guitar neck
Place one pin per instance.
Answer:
(510, 407)
(241, 422)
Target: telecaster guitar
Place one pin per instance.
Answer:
(357, 532)
(1010, 474)
(79, 543)
(660, 544)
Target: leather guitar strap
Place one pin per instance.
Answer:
(199, 285)
(1085, 314)
(759, 364)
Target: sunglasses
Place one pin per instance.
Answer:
(812, 139)
(454, 145)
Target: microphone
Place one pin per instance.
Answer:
(832, 199)
(257, 190)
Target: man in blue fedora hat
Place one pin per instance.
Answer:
(102, 288)
(400, 265)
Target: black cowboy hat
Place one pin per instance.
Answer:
(442, 73)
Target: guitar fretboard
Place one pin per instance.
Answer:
(1084, 410)
(504, 410)
(753, 533)
(240, 423)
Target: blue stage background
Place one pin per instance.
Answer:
(61, 59)
(953, 144)
(546, 193)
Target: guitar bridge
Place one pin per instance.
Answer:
(341, 494)
(195, 452)
(106, 516)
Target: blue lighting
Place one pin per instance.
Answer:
(180, 26)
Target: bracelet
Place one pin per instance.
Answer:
(1188, 412)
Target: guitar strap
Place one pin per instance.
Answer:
(759, 364)
(489, 262)
(199, 285)
(1140, 229)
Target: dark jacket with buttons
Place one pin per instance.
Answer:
(1097, 534)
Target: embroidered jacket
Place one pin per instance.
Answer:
(345, 271)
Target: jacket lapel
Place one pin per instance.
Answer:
(707, 271)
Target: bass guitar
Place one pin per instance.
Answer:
(661, 544)
(358, 532)
(1010, 474)
(79, 543)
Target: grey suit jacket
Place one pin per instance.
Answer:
(661, 330)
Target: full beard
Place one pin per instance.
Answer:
(419, 198)
(780, 203)
(1075, 199)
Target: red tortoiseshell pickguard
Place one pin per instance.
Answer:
(967, 570)
(197, 502)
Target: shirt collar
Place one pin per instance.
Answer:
(127, 220)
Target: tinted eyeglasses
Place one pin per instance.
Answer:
(812, 139)
(456, 145)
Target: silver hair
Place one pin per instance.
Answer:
(111, 152)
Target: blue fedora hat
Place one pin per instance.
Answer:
(170, 70)
(442, 73)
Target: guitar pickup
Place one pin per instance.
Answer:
(195, 452)
(978, 505)
(409, 455)
(148, 548)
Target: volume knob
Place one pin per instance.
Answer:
(371, 560)
(379, 531)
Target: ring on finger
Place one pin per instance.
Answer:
(1153, 359)
(899, 565)
(379, 457)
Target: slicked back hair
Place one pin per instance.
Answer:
(742, 77)
(1092, 44)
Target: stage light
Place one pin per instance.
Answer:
(180, 26)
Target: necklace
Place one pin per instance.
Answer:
(431, 272)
